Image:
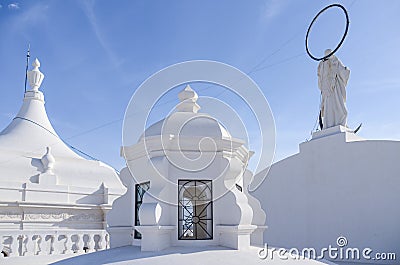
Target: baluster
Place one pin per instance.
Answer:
(68, 244)
(28, 245)
(61, 246)
(74, 243)
(90, 242)
(15, 245)
(107, 241)
(101, 243)
(3, 245)
(97, 243)
(5, 242)
(21, 245)
(87, 243)
(52, 239)
(78, 247)
(58, 245)
(37, 244)
(47, 244)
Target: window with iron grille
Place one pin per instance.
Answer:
(195, 210)
(140, 190)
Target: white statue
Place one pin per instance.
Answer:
(48, 161)
(332, 81)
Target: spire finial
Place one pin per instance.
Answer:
(35, 77)
(188, 100)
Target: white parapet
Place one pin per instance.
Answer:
(36, 242)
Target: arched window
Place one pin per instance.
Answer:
(195, 212)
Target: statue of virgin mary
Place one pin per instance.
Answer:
(332, 81)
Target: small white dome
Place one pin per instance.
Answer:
(188, 124)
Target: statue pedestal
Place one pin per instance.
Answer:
(329, 131)
(339, 129)
(329, 139)
(47, 179)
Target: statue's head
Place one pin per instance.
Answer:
(330, 58)
(327, 52)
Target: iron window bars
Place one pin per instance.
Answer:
(195, 210)
(140, 190)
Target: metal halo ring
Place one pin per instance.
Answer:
(341, 41)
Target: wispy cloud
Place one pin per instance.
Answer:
(13, 6)
(272, 8)
(88, 8)
(30, 17)
(1, 6)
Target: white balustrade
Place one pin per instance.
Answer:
(29, 243)
(47, 244)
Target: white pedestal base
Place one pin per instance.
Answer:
(47, 179)
(121, 236)
(236, 237)
(257, 237)
(347, 133)
(155, 238)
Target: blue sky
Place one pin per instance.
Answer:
(96, 53)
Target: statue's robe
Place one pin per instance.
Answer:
(332, 81)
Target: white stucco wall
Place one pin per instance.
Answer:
(337, 185)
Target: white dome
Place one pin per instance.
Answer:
(187, 122)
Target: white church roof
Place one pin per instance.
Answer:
(24, 142)
(178, 255)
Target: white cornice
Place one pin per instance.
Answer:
(156, 146)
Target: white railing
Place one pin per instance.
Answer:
(28, 243)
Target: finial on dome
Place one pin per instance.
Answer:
(188, 93)
(188, 98)
(35, 77)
